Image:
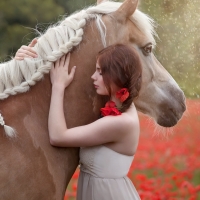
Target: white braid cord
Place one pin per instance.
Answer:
(17, 76)
(10, 132)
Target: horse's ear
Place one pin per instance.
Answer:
(125, 10)
(100, 1)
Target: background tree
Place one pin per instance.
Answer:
(17, 18)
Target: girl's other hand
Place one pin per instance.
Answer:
(59, 73)
(26, 51)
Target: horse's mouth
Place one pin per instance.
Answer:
(170, 115)
(168, 120)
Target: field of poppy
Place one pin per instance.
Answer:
(167, 163)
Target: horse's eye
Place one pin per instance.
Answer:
(147, 49)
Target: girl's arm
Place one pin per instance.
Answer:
(104, 130)
(60, 79)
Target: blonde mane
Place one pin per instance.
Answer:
(17, 76)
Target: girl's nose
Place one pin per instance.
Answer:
(93, 76)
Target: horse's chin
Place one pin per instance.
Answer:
(169, 117)
(168, 121)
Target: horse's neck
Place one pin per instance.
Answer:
(35, 102)
(79, 96)
(27, 113)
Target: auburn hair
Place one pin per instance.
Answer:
(120, 64)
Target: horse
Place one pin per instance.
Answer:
(30, 168)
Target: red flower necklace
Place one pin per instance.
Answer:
(111, 108)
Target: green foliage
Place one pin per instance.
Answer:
(17, 18)
(74, 5)
(77, 4)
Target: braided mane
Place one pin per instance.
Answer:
(17, 76)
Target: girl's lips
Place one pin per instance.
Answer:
(96, 86)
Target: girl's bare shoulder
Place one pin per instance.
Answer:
(126, 121)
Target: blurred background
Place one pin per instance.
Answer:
(178, 23)
(173, 171)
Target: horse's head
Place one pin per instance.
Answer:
(160, 96)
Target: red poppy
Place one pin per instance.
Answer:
(110, 109)
(174, 170)
(122, 94)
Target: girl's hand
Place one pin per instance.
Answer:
(59, 73)
(26, 51)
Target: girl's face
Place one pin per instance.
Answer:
(98, 81)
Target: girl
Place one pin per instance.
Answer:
(107, 145)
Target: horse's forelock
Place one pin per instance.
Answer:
(145, 24)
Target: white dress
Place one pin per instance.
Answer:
(103, 175)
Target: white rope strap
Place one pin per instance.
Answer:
(1, 120)
(10, 132)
